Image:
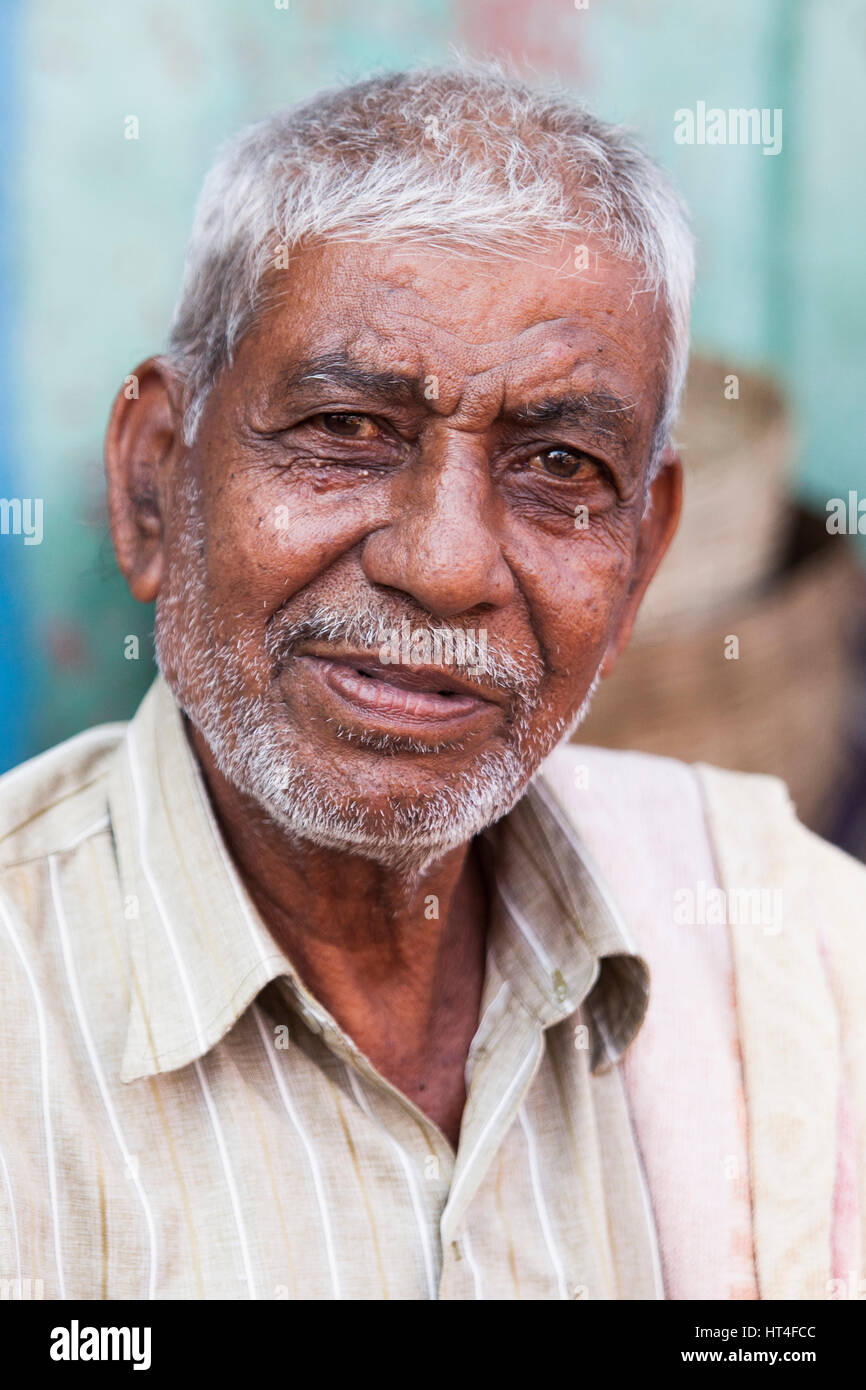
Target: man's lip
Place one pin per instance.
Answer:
(388, 704)
(429, 679)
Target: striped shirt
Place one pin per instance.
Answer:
(181, 1118)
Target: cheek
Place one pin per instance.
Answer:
(264, 544)
(576, 612)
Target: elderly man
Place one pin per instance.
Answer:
(337, 973)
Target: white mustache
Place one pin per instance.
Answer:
(517, 674)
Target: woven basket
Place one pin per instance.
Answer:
(736, 455)
(778, 708)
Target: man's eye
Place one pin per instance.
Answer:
(561, 463)
(347, 426)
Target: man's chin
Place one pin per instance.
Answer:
(374, 794)
(393, 847)
(393, 745)
(406, 816)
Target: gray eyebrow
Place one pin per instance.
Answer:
(608, 415)
(335, 369)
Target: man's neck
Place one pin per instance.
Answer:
(397, 960)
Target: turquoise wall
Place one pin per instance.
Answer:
(97, 225)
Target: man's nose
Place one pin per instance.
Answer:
(441, 546)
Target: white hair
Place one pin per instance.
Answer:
(466, 158)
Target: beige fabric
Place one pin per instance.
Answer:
(802, 1006)
(643, 821)
(770, 1013)
(179, 1118)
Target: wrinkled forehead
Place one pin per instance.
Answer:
(468, 334)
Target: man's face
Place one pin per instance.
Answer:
(410, 438)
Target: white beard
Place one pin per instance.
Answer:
(260, 754)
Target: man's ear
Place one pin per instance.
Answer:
(142, 444)
(656, 532)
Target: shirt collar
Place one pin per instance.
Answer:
(200, 953)
(555, 932)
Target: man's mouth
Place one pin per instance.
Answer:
(399, 697)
